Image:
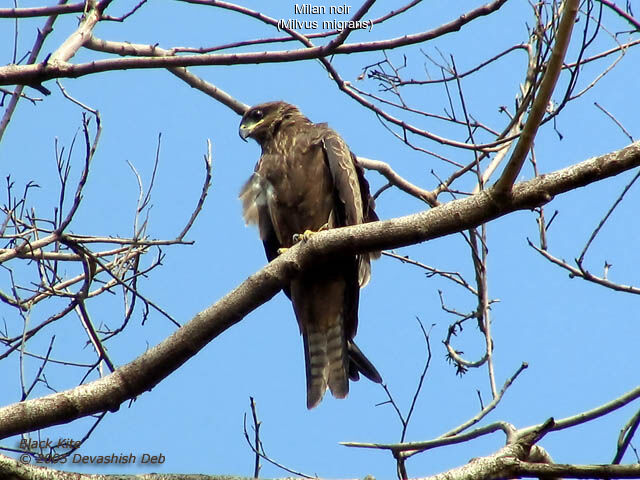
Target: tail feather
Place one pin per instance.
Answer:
(338, 358)
(359, 363)
(315, 353)
(326, 360)
(326, 306)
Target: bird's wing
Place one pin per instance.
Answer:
(345, 177)
(255, 211)
(353, 192)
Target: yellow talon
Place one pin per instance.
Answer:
(308, 234)
(282, 250)
(303, 237)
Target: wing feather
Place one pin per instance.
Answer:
(345, 177)
(249, 196)
(353, 191)
(255, 210)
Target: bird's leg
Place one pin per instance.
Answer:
(307, 234)
(303, 237)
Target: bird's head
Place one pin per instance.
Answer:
(262, 121)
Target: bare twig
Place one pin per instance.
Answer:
(258, 448)
(625, 437)
(585, 274)
(123, 17)
(35, 51)
(395, 179)
(632, 21)
(605, 218)
(615, 120)
(549, 80)
(489, 407)
(453, 276)
(208, 161)
(256, 440)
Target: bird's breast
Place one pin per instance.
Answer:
(299, 192)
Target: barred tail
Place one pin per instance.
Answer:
(338, 359)
(326, 361)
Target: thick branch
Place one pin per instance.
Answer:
(41, 11)
(552, 73)
(75, 41)
(38, 73)
(125, 48)
(153, 366)
(543, 470)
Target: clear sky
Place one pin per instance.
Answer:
(580, 340)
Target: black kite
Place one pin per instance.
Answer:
(308, 179)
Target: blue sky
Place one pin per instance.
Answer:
(580, 340)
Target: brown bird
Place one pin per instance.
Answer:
(307, 179)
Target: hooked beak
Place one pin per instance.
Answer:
(244, 132)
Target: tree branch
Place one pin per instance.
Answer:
(150, 368)
(41, 11)
(126, 48)
(543, 96)
(38, 73)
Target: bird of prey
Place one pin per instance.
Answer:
(307, 179)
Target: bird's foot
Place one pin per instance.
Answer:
(282, 250)
(307, 234)
(303, 237)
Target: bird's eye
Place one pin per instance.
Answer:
(257, 115)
